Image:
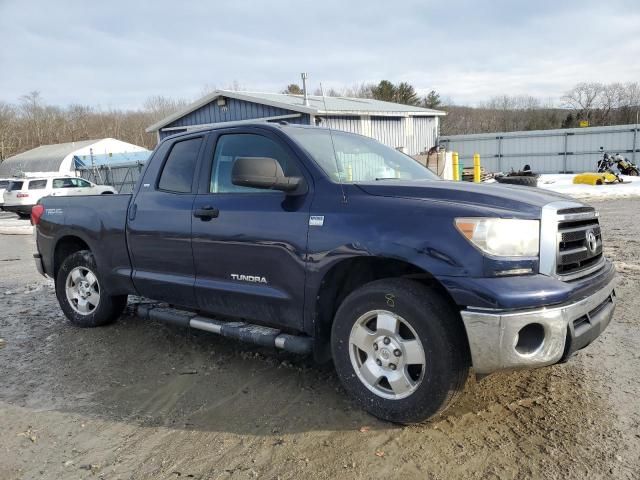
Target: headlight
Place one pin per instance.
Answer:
(502, 237)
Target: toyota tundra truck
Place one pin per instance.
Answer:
(331, 244)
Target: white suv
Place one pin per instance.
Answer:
(24, 193)
(4, 183)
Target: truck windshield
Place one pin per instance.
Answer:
(357, 158)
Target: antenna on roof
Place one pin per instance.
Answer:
(333, 146)
(304, 88)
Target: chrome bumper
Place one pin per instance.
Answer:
(535, 338)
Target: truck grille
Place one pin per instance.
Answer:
(579, 247)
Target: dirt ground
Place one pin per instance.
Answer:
(142, 400)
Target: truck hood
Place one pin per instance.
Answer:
(505, 197)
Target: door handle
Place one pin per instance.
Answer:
(206, 213)
(132, 211)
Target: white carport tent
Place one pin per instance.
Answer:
(58, 158)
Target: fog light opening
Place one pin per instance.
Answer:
(530, 339)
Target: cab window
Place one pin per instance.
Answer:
(232, 146)
(80, 183)
(63, 183)
(37, 184)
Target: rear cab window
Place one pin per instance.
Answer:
(4, 183)
(179, 167)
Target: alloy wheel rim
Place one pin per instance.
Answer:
(82, 290)
(387, 354)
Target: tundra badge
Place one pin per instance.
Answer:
(248, 278)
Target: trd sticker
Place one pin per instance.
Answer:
(53, 211)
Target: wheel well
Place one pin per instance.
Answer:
(351, 274)
(66, 246)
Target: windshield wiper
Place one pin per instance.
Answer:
(387, 178)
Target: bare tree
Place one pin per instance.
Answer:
(31, 122)
(584, 98)
(8, 130)
(159, 107)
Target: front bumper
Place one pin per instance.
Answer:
(534, 338)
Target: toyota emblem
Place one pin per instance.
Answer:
(592, 242)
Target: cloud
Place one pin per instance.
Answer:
(118, 53)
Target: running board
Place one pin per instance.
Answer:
(246, 332)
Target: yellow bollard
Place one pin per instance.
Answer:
(456, 166)
(476, 167)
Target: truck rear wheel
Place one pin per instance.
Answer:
(80, 293)
(399, 349)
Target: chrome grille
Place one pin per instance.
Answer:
(575, 253)
(565, 251)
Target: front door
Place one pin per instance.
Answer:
(159, 224)
(249, 251)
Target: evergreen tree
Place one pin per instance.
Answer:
(406, 94)
(385, 91)
(293, 89)
(432, 100)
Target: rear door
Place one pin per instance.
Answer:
(250, 253)
(37, 190)
(159, 223)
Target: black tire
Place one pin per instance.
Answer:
(632, 172)
(24, 216)
(527, 181)
(108, 308)
(106, 193)
(438, 327)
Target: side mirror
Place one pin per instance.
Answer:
(262, 172)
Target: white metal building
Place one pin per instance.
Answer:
(412, 129)
(546, 151)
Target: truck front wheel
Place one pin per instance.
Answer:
(81, 295)
(399, 350)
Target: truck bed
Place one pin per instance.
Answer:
(100, 222)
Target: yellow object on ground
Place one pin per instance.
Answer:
(591, 178)
(476, 167)
(456, 166)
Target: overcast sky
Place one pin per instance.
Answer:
(116, 53)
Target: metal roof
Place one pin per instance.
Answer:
(334, 105)
(46, 158)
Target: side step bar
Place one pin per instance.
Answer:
(246, 332)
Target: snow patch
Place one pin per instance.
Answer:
(563, 183)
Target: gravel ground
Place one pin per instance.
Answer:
(142, 400)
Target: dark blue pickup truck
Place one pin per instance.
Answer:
(327, 243)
